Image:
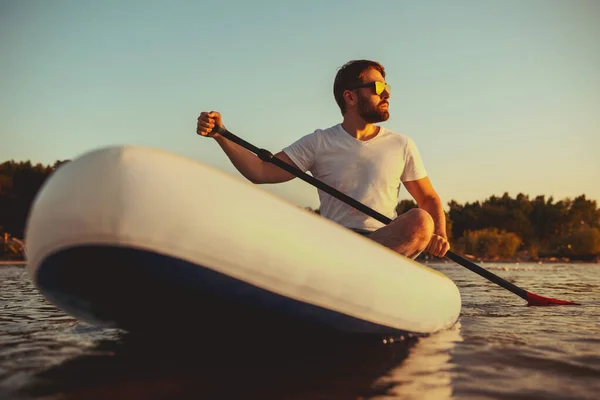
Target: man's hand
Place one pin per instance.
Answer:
(206, 123)
(438, 246)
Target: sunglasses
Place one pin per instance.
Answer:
(378, 85)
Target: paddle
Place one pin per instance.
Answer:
(265, 155)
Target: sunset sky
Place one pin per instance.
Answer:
(500, 96)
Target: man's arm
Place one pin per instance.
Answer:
(428, 199)
(252, 167)
(246, 162)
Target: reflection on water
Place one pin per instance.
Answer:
(500, 349)
(153, 368)
(428, 370)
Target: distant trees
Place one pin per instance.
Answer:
(498, 227)
(582, 243)
(405, 205)
(19, 184)
(567, 228)
(489, 243)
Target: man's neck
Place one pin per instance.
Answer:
(359, 128)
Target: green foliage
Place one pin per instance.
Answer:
(490, 243)
(404, 206)
(19, 184)
(505, 213)
(584, 242)
(541, 223)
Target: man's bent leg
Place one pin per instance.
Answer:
(408, 234)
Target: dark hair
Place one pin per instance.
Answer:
(352, 74)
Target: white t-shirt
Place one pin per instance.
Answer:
(369, 171)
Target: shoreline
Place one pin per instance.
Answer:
(12, 262)
(540, 261)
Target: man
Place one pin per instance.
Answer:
(365, 161)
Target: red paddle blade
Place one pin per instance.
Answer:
(535, 300)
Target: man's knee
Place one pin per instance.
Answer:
(421, 223)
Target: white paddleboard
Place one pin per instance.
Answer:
(139, 238)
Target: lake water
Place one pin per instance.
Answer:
(499, 349)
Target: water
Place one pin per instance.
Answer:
(499, 349)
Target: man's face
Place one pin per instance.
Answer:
(372, 107)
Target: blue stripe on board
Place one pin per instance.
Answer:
(139, 290)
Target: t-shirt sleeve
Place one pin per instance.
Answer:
(302, 151)
(414, 168)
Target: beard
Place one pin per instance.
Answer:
(372, 114)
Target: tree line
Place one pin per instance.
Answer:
(19, 184)
(529, 228)
(496, 228)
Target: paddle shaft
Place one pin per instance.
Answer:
(267, 156)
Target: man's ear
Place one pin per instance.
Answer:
(350, 97)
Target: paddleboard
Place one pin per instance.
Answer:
(142, 239)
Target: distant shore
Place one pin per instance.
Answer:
(541, 260)
(544, 260)
(12, 262)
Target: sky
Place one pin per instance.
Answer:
(499, 96)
